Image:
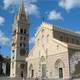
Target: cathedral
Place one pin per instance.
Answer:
(55, 54)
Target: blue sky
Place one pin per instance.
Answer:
(63, 13)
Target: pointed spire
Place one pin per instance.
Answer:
(22, 8)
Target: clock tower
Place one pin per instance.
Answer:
(20, 43)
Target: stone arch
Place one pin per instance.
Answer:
(59, 64)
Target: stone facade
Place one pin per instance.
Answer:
(51, 57)
(55, 55)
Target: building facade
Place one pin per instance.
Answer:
(56, 54)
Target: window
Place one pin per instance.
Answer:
(72, 40)
(67, 39)
(61, 38)
(60, 73)
(20, 44)
(22, 52)
(24, 38)
(24, 31)
(21, 38)
(21, 30)
(77, 41)
(13, 57)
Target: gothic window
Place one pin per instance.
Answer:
(61, 38)
(24, 31)
(60, 73)
(22, 51)
(20, 44)
(21, 31)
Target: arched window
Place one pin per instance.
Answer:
(21, 31)
(22, 52)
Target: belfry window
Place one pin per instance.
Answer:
(21, 31)
(22, 52)
(24, 31)
(20, 44)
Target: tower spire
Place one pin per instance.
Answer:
(22, 8)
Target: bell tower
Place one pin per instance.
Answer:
(20, 43)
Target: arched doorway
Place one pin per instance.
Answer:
(59, 65)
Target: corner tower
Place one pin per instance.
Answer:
(20, 43)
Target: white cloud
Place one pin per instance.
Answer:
(69, 4)
(2, 20)
(32, 40)
(78, 32)
(53, 15)
(7, 3)
(31, 8)
(3, 39)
